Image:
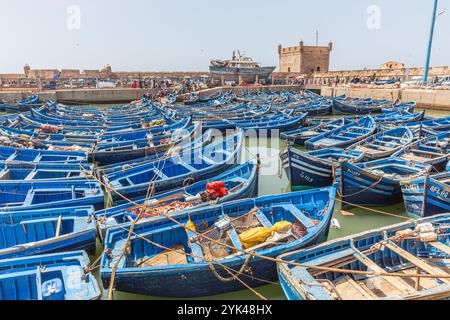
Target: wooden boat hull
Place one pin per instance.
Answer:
(220, 160)
(34, 232)
(383, 144)
(354, 253)
(300, 136)
(198, 279)
(305, 170)
(273, 129)
(358, 186)
(35, 195)
(426, 196)
(344, 108)
(249, 189)
(66, 269)
(364, 128)
(116, 156)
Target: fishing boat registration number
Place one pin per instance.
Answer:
(440, 193)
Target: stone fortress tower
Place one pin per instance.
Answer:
(304, 59)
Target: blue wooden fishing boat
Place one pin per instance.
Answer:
(39, 155)
(360, 107)
(384, 143)
(23, 105)
(404, 107)
(92, 119)
(196, 141)
(152, 270)
(144, 132)
(25, 141)
(407, 249)
(299, 136)
(315, 168)
(273, 127)
(431, 149)
(30, 100)
(240, 182)
(44, 231)
(60, 276)
(385, 81)
(376, 182)
(427, 196)
(344, 136)
(231, 121)
(30, 195)
(185, 167)
(28, 171)
(318, 108)
(39, 135)
(114, 152)
(436, 124)
(82, 126)
(398, 117)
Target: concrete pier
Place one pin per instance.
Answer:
(430, 99)
(119, 95)
(81, 96)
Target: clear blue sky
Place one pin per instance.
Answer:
(185, 34)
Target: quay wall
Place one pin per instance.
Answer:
(120, 95)
(81, 96)
(430, 99)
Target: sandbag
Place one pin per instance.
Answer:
(254, 236)
(282, 226)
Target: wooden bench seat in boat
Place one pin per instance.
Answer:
(263, 219)
(376, 148)
(187, 166)
(331, 257)
(349, 289)
(314, 286)
(440, 246)
(196, 249)
(308, 133)
(159, 173)
(396, 282)
(175, 255)
(412, 157)
(427, 152)
(416, 261)
(233, 235)
(329, 141)
(351, 135)
(392, 137)
(298, 214)
(382, 142)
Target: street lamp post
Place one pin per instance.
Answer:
(430, 41)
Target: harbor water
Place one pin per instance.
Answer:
(272, 180)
